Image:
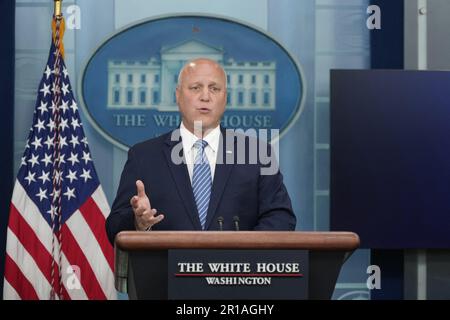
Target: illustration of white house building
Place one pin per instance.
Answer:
(151, 84)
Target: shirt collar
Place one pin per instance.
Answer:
(188, 138)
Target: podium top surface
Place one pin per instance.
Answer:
(163, 240)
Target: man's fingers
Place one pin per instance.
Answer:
(155, 219)
(149, 217)
(141, 194)
(149, 213)
(140, 188)
(158, 218)
(140, 212)
(134, 202)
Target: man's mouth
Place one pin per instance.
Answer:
(203, 110)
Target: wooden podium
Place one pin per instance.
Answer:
(141, 258)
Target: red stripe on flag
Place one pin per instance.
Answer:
(96, 221)
(18, 281)
(76, 256)
(31, 242)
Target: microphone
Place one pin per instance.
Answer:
(220, 221)
(236, 222)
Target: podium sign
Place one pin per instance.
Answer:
(238, 274)
(264, 265)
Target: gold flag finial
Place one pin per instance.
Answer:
(58, 26)
(57, 9)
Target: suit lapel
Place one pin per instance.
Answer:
(221, 175)
(180, 176)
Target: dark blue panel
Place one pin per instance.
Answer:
(391, 269)
(390, 157)
(7, 8)
(386, 44)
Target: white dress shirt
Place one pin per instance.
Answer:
(190, 152)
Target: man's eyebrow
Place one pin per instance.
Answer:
(199, 83)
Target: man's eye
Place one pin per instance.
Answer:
(215, 89)
(195, 88)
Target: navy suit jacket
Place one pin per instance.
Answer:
(260, 201)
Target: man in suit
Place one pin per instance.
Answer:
(209, 189)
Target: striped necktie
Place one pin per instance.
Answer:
(201, 181)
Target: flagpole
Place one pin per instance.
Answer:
(57, 8)
(58, 33)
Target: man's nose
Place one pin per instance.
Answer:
(204, 95)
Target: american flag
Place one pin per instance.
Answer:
(57, 246)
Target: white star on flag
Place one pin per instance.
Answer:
(47, 159)
(65, 89)
(48, 72)
(74, 124)
(64, 106)
(52, 212)
(86, 157)
(73, 158)
(40, 125)
(51, 125)
(62, 142)
(72, 175)
(42, 194)
(49, 142)
(86, 175)
(37, 143)
(63, 125)
(44, 177)
(70, 193)
(61, 158)
(43, 107)
(74, 141)
(73, 106)
(57, 193)
(45, 90)
(34, 160)
(30, 177)
(65, 72)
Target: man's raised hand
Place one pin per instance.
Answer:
(144, 215)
